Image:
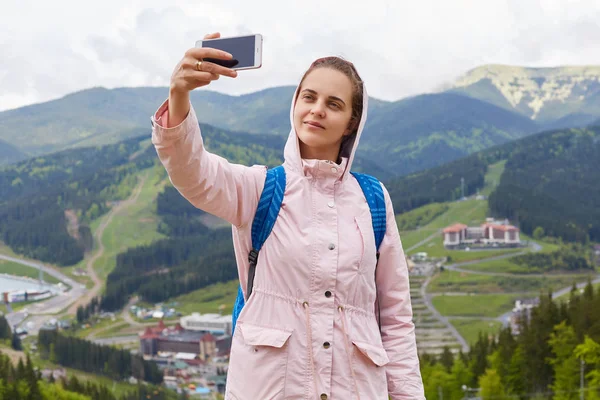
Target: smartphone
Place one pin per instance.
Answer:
(246, 51)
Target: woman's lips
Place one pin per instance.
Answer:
(315, 124)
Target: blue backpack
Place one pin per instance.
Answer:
(268, 210)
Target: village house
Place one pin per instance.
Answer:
(491, 233)
(521, 312)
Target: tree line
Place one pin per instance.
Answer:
(543, 359)
(551, 183)
(439, 184)
(572, 257)
(86, 356)
(25, 382)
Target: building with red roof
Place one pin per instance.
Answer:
(490, 233)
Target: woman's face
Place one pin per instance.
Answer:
(322, 113)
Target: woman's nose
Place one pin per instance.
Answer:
(318, 109)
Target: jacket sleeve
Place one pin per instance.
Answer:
(206, 180)
(397, 328)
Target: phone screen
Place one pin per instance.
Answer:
(242, 48)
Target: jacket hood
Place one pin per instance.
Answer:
(291, 153)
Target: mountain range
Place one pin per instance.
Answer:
(489, 105)
(553, 97)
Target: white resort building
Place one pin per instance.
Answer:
(490, 233)
(214, 323)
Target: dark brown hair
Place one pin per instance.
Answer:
(347, 68)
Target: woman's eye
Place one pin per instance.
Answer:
(335, 105)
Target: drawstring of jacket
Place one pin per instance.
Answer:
(347, 346)
(310, 348)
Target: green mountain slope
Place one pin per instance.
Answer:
(37, 195)
(551, 181)
(488, 106)
(402, 136)
(429, 130)
(102, 116)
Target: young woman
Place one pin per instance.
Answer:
(309, 329)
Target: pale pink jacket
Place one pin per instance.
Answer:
(309, 329)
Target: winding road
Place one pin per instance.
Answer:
(422, 242)
(41, 312)
(440, 317)
(83, 300)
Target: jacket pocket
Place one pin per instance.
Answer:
(367, 362)
(258, 362)
(376, 354)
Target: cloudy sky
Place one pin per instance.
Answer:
(400, 47)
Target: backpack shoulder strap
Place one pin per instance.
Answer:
(262, 225)
(268, 207)
(373, 192)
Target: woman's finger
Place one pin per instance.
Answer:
(214, 35)
(208, 52)
(204, 76)
(206, 66)
(224, 63)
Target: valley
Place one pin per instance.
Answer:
(462, 293)
(133, 252)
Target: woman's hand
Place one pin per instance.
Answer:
(191, 73)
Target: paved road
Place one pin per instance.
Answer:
(505, 318)
(458, 266)
(40, 312)
(127, 315)
(440, 317)
(117, 340)
(47, 270)
(84, 300)
(422, 242)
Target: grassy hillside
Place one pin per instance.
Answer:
(47, 203)
(135, 225)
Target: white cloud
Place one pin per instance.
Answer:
(401, 48)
